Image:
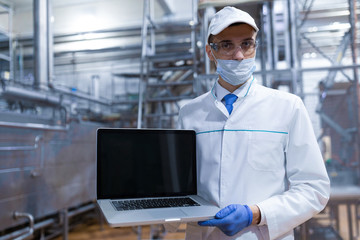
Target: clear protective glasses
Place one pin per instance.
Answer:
(228, 48)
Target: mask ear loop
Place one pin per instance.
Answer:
(213, 56)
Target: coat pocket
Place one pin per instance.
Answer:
(267, 150)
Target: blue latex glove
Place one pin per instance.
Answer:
(231, 219)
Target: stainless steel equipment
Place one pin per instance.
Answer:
(44, 170)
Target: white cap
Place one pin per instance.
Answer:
(227, 16)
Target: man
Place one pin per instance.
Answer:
(258, 158)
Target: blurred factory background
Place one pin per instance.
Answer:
(68, 67)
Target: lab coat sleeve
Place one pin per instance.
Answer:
(308, 183)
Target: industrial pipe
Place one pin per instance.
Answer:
(40, 43)
(50, 46)
(87, 97)
(22, 232)
(29, 234)
(16, 93)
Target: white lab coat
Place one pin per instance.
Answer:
(264, 153)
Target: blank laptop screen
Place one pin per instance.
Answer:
(135, 163)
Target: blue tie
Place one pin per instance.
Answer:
(229, 100)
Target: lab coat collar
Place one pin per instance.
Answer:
(218, 92)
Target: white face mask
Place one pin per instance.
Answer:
(235, 72)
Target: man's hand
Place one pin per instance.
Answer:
(231, 219)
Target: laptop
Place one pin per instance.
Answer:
(148, 176)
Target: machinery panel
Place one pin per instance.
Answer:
(43, 171)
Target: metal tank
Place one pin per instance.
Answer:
(44, 169)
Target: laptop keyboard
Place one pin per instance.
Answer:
(154, 203)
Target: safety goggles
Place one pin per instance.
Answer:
(228, 48)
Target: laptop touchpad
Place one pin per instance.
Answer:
(167, 213)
